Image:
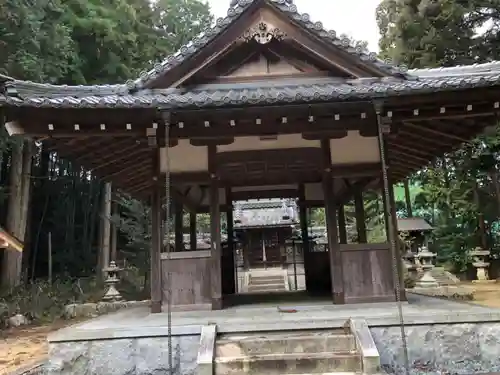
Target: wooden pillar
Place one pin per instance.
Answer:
(106, 228)
(398, 251)
(306, 249)
(390, 206)
(178, 226)
(228, 268)
(192, 231)
(215, 235)
(359, 208)
(155, 256)
(114, 233)
(335, 256)
(342, 225)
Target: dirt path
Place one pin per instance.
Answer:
(24, 346)
(486, 294)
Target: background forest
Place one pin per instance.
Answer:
(97, 42)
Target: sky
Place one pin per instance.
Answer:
(356, 18)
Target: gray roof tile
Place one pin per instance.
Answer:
(255, 93)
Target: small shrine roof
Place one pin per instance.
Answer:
(265, 213)
(413, 224)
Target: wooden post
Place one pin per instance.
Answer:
(305, 238)
(389, 204)
(156, 287)
(359, 208)
(114, 233)
(157, 193)
(192, 231)
(178, 226)
(50, 256)
(342, 225)
(215, 235)
(106, 225)
(394, 223)
(229, 266)
(335, 256)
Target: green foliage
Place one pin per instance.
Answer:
(134, 223)
(43, 302)
(82, 42)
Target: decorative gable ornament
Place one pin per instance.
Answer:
(263, 33)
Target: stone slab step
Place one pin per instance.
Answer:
(259, 281)
(289, 363)
(267, 279)
(276, 344)
(273, 285)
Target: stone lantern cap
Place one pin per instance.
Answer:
(478, 251)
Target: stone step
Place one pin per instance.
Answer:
(289, 363)
(280, 284)
(286, 343)
(266, 290)
(267, 280)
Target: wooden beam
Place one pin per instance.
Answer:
(264, 194)
(445, 135)
(193, 242)
(156, 245)
(335, 257)
(306, 243)
(215, 231)
(178, 225)
(228, 264)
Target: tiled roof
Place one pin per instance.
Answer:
(413, 224)
(254, 93)
(235, 10)
(261, 213)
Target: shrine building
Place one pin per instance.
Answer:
(264, 104)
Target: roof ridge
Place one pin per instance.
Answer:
(237, 7)
(491, 66)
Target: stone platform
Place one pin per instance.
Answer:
(457, 337)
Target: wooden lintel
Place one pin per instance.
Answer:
(264, 194)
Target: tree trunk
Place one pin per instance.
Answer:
(19, 194)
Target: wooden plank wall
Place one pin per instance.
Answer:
(189, 278)
(368, 274)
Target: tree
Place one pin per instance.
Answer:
(460, 191)
(77, 42)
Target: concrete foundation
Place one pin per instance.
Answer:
(443, 336)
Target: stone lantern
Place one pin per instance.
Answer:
(426, 259)
(480, 260)
(411, 263)
(112, 294)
